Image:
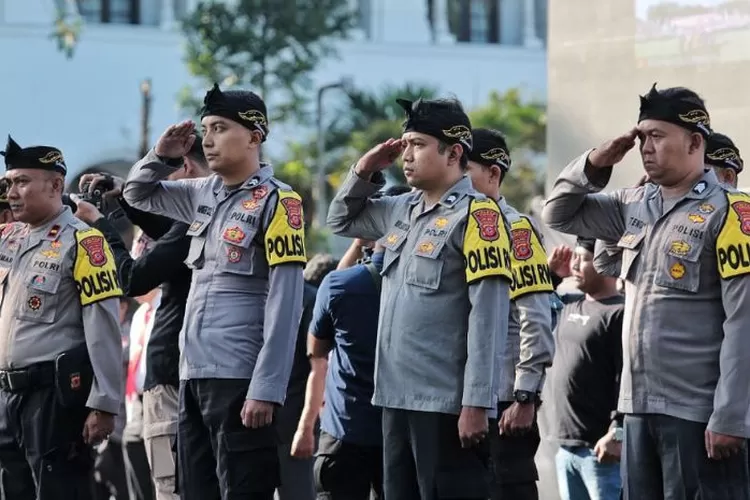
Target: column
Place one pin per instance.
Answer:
(440, 20)
(167, 18)
(530, 39)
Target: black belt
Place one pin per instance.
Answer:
(32, 377)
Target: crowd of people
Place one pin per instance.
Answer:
(211, 359)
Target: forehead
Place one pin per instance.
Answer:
(417, 136)
(648, 126)
(216, 120)
(582, 252)
(24, 173)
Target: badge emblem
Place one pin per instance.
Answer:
(706, 208)
(696, 218)
(50, 254)
(39, 279)
(253, 182)
(487, 221)
(260, 192)
(679, 248)
(55, 244)
(35, 303)
(426, 247)
(293, 208)
(195, 226)
(441, 222)
(234, 254)
(234, 234)
(627, 239)
(250, 204)
(94, 246)
(742, 209)
(53, 232)
(700, 187)
(521, 243)
(392, 238)
(677, 271)
(75, 381)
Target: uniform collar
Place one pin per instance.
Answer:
(702, 188)
(261, 176)
(452, 195)
(51, 230)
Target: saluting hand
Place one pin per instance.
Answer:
(98, 426)
(256, 414)
(176, 141)
(612, 152)
(380, 157)
(472, 426)
(559, 261)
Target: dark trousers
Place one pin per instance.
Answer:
(664, 458)
(297, 482)
(347, 471)
(218, 457)
(109, 479)
(42, 453)
(423, 459)
(514, 473)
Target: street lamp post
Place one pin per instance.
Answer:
(145, 114)
(319, 191)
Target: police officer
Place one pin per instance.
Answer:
(530, 342)
(724, 156)
(247, 253)
(60, 347)
(685, 240)
(444, 305)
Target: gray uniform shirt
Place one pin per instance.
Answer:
(530, 346)
(57, 294)
(686, 267)
(438, 337)
(247, 253)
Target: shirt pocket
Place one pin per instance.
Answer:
(39, 303)
(425, 269)
(235, 251)
(680, 268)
(197, 232)
(393, 242)
(631, 245)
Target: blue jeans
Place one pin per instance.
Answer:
(581, 477)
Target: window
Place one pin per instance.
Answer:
(110, 11)
(475, 20)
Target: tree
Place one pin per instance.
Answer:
(268, 46)
(524, 125)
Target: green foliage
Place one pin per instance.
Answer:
(524, 126)
(268, 46)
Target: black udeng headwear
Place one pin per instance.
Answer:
(451, 125)
(40, 157)
(241, 106)
(722, 152)
(681, 112)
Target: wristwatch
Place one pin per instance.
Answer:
(524, 397)
(619, 432)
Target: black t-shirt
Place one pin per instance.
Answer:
(586, 369)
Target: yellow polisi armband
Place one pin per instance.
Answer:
(528, 261)
(94, 271)
(733, 242)
(486, 242)
(285, 236)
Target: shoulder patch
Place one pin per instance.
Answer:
(733, 242)
(486, 242)
(94, 270)
(285, 236)
(528, 260)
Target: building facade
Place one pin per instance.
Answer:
(90, 104)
